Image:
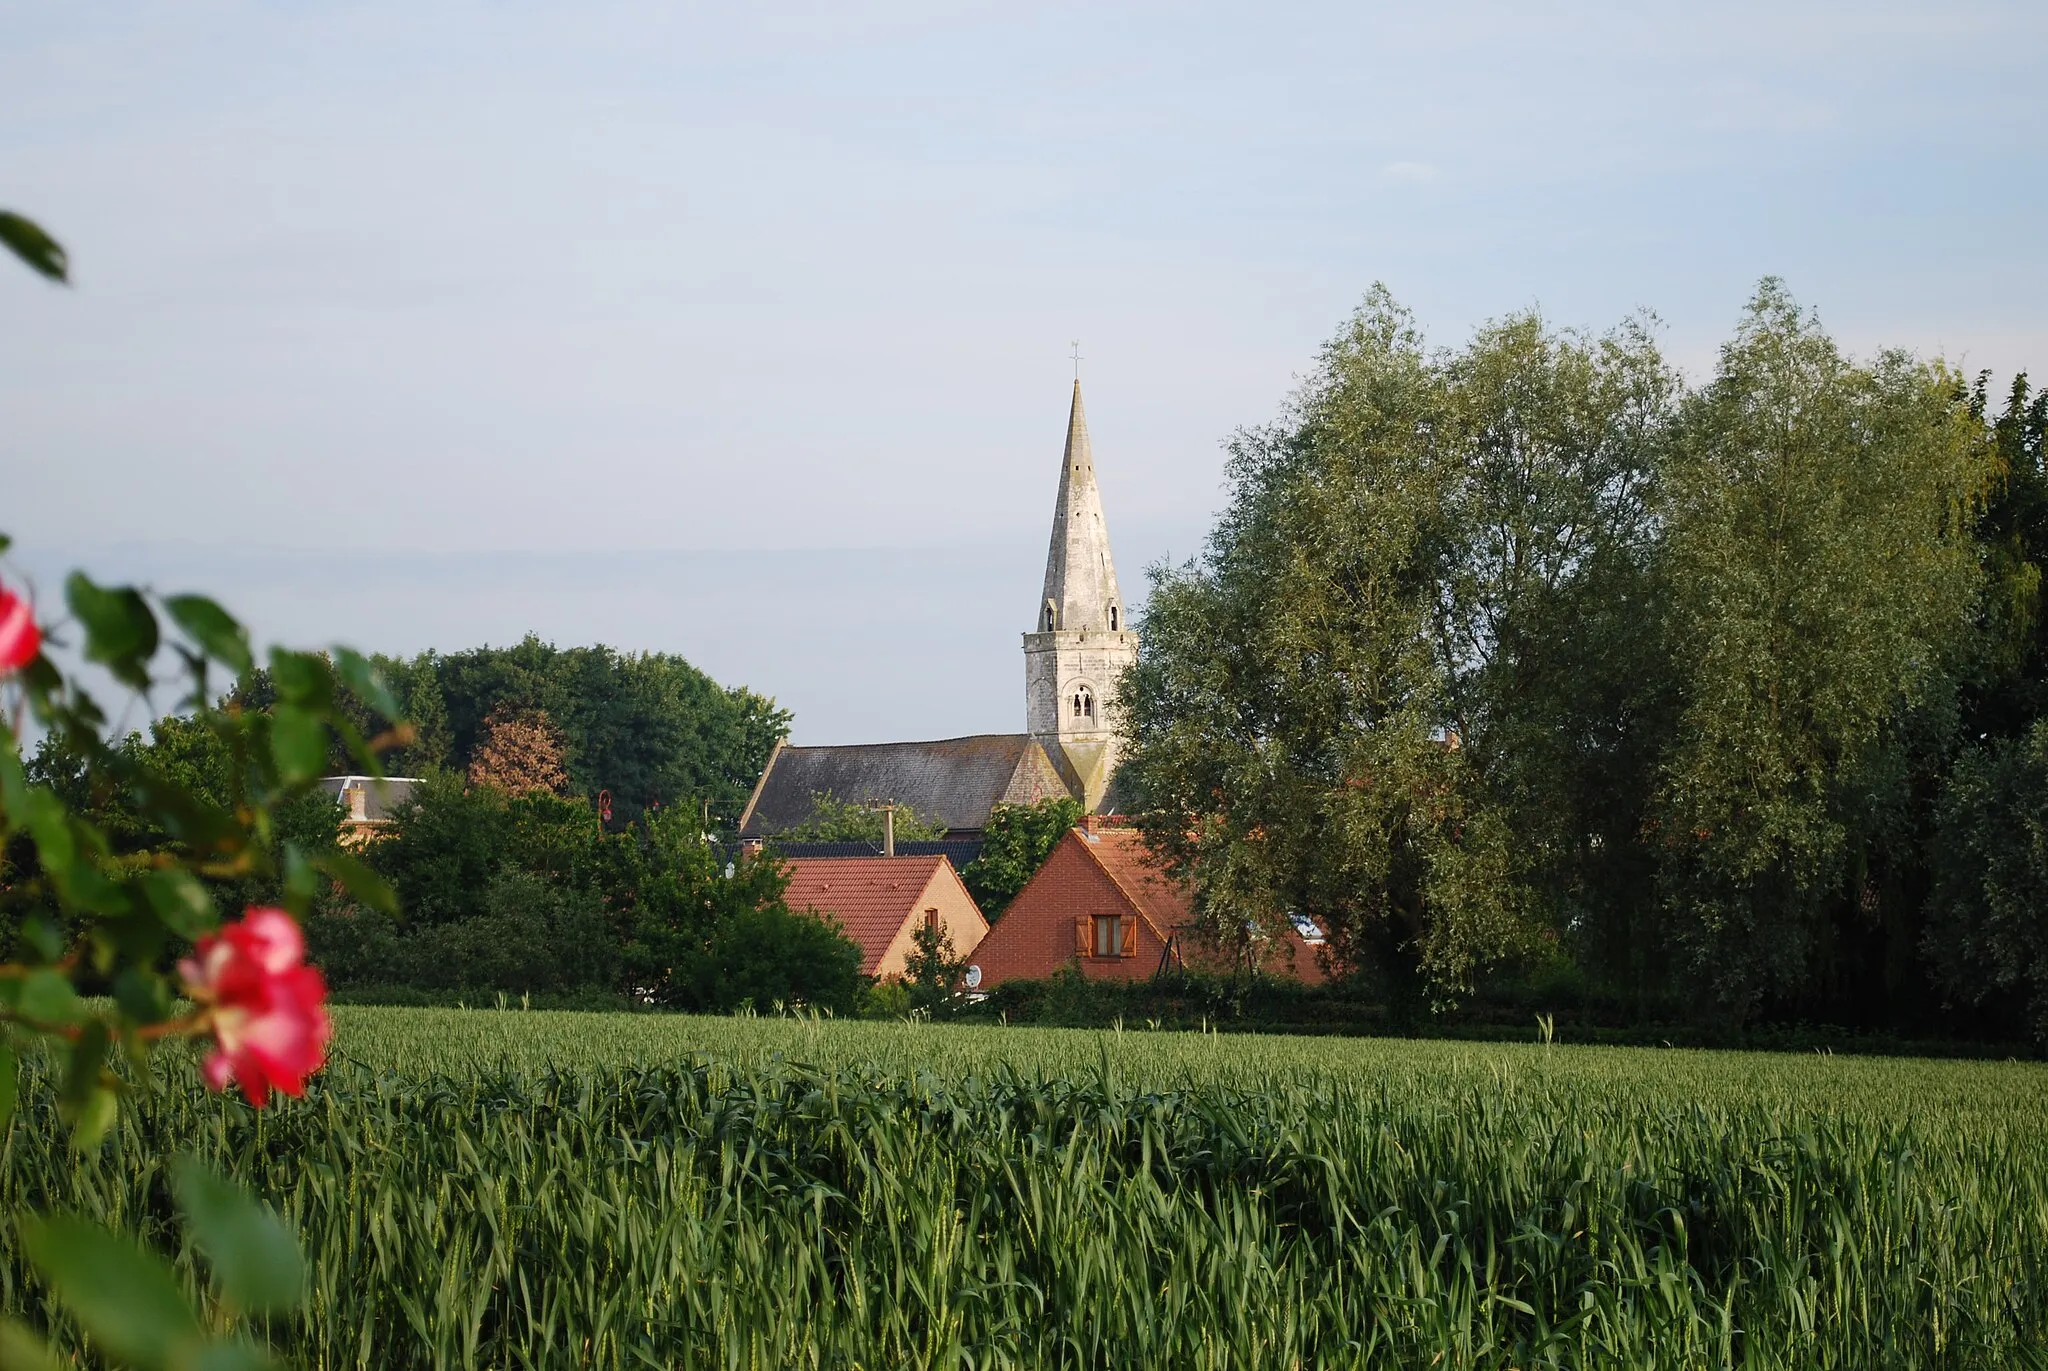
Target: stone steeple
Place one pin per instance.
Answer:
(1082, 640)
(1080, 577)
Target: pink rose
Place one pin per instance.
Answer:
(264, 1002)
(20, 639)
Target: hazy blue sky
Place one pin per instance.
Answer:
(741, 331)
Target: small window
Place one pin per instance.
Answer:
(1050, 619)
(1112, 618)
(931, 919)
(1108, 936)
(1084, 703)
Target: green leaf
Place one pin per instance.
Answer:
(56, 844)
(301, 678)
(298, 744)
(82, 1076)
(21, 1350)
(10, 1083)
(301, 881)
(125, 1297)
(364, 884)
(360, 676)
(214, 629)
(93, 1120)
(44, 254)
(141, 995)
(47, 998)
(13, 786)
(183, 905)
(256, 1263)
(356, 746)
(120, 629)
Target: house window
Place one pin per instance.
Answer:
(1109, 939)
(931, 919)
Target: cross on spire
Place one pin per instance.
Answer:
(1077, 358)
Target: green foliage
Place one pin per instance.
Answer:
(1388, 666)
(1822, 585)
(934, 973)
(833, 820)
(486, 1188)
(648, 727)
(771, 959)
(1989, 934)
(2008, 690)
(1523, 651)
(1015, 843)
(533, 895)
(255, 1260)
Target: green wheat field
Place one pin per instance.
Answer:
(484, 1188)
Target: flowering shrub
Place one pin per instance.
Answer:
(81, 919)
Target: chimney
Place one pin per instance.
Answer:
(889, 830)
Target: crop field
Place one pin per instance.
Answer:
(509, 1189)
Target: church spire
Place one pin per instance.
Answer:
(1080, 579)
(1078, 650)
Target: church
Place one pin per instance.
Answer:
(1078, 646)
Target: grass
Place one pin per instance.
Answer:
(484, 1188)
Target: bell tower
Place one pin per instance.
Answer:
(1082, 640)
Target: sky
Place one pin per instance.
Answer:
(744, 332)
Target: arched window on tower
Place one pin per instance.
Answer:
(1112, 619)
(1050, 619)
(1084, 703)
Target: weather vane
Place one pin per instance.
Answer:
(1077, 359)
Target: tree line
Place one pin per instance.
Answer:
(648, 729)
(1528, 656)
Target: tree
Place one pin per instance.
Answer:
(833, 820)
(761, 958)
(1987, 933)
(446, 843)
(648, 727)
(519, 751)
(2008, 688)
(1015, 843)
(1988, 938)
(1287, 718)
(1823, 582)
(934, 973)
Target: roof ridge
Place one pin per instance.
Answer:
(908, 742)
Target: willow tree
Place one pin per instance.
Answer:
(1823, 583)
(1334, 711)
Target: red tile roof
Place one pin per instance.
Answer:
(870, 896)
(1123, 856)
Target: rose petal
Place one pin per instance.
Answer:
(20, 639)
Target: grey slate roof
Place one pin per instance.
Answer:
(953, 782)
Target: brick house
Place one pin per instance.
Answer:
(881, 902)
(1101, 904)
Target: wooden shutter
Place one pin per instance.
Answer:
(1127, 928)
(1084, 936)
